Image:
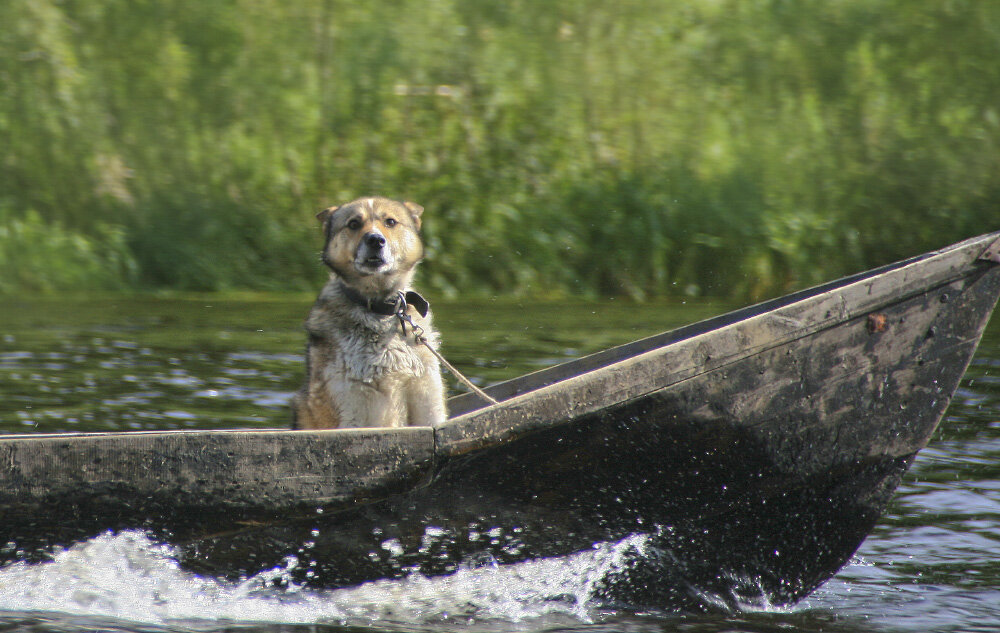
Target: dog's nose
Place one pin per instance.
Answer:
(374, 240)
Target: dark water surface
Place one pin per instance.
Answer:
(932, 564)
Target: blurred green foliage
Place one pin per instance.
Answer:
(725, 147)
(41, 257)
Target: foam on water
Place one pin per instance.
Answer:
(127, 576)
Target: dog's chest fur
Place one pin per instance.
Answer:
(376, 349)
(366, 347)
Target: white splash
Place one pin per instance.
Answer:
(130, 577)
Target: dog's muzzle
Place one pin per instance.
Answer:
(374, 254)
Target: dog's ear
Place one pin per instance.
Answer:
(415, 211)
(324, 215)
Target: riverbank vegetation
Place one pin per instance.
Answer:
(727, 147)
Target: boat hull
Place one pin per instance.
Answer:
(752, 483)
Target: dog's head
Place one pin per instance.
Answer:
(373, 243)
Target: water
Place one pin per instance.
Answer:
(933, 562)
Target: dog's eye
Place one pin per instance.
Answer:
(354, 224)
(391, 222)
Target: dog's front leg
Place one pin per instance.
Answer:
(362, 404)
(425, 400)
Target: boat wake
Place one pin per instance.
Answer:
(127, 576)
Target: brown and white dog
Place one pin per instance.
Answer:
(362, 369)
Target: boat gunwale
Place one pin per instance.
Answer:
(276, 431)
(467, 403)
(519, 415)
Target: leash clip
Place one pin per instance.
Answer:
(404, 318)
(421, 306)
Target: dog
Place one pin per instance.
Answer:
(363, 368)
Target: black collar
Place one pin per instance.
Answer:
(386, 306)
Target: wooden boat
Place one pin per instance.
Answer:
(750, 453)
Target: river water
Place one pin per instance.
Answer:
(117, 363)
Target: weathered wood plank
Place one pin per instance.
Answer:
(243, 472)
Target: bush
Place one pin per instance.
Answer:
(44, 258)
(190, 242)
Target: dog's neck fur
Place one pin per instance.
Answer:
(385, 306)
(374, 287)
